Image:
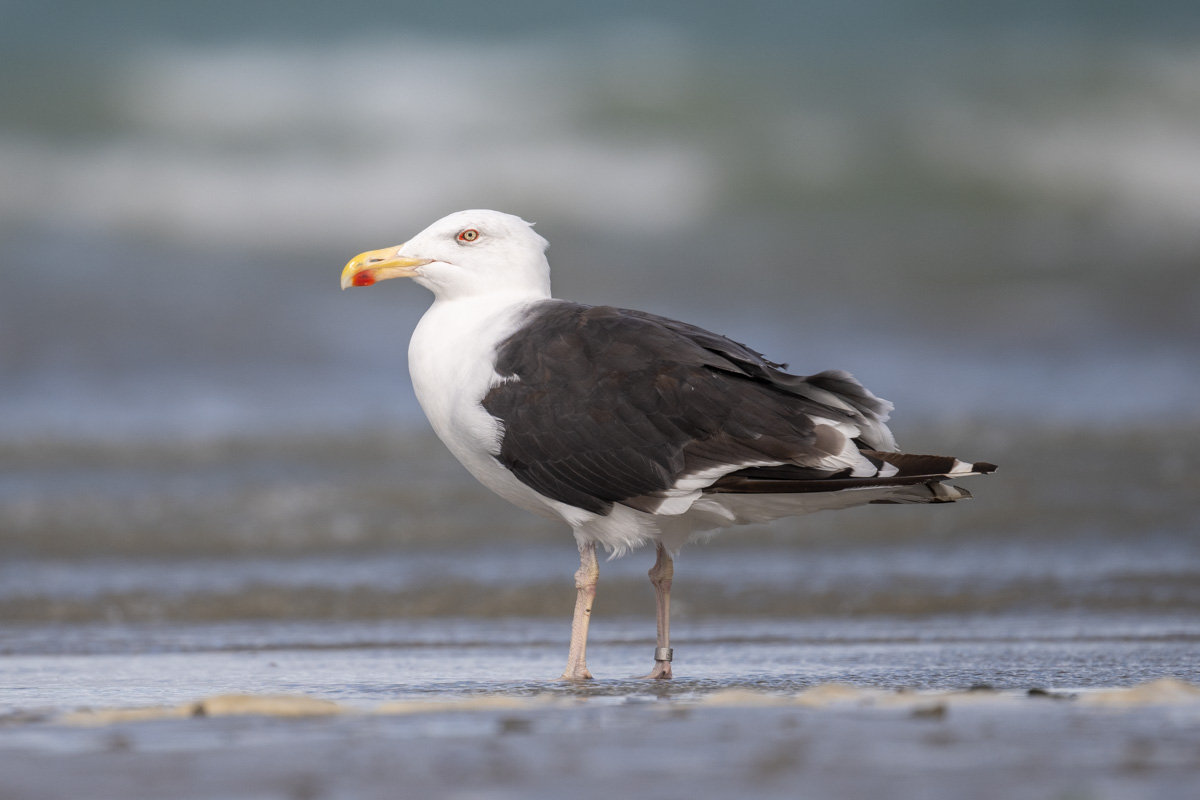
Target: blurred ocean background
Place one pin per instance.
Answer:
(989, 213)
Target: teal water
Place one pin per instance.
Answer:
(1004, 198)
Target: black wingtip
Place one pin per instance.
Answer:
(983, 467)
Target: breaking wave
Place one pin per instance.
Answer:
(623, 130)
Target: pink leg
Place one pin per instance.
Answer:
(585, 593)
(660, 577)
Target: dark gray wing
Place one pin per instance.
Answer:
(601, 405)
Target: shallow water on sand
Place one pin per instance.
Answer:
(363, 570)
(51, 670)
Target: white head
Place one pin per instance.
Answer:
(467, 253)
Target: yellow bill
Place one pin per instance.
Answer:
(379, 265)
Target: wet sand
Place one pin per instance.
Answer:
(829, 740)
(398, 644)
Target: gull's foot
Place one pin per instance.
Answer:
(662, 663)
(661, 671)
(577, 674)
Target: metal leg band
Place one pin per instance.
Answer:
(663, 653)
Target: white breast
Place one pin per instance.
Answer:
(450, 358)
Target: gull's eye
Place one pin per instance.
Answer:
(469, 235)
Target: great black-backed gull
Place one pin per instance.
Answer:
(630, 427)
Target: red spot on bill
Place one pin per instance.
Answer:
(363, 279)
